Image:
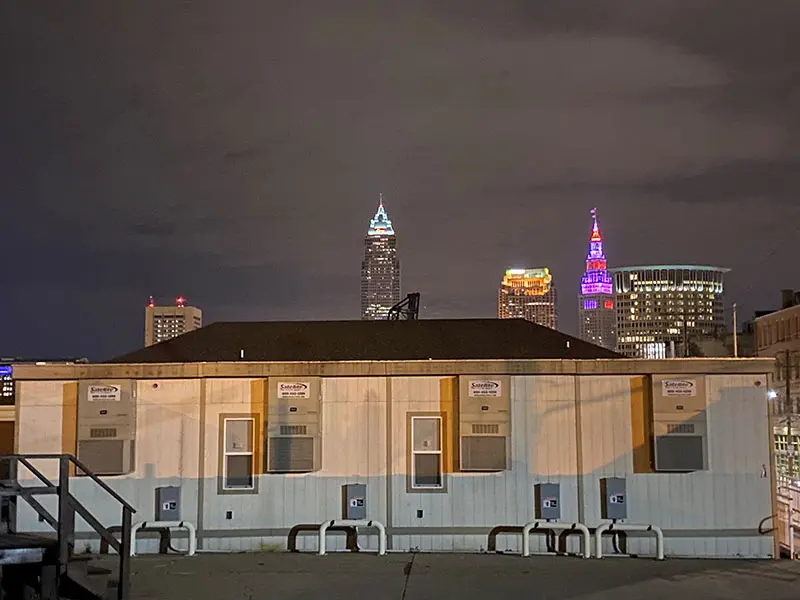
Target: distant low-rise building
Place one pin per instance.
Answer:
(777, 334)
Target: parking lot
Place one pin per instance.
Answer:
(422, 576)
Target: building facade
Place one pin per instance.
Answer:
(777, 335)
(597, 317)
(6, 385)
(7, 411)
(528, 294)
(380, 269)
(661, 309)
(8, 389)
(162, 323)
(440, 470)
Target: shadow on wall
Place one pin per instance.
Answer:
(708, 512)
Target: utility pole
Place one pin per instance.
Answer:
(735, 334)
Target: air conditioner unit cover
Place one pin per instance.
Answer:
(107, 457)
(291, 454)
(484, 453)
(680, 453)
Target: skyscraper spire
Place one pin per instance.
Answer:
(596, 311)
(596, 237)
(380, 224)
(596, 258)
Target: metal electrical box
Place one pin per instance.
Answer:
(548, 501)
(107, 425)
(484, 416)
(354, 501)
(613, 498)
(168, 503)
(293, 425)
(679, 423)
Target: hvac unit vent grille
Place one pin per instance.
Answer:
(679, 453)
(680, 428)
(106, 457)
(293, 430)
(485, 428)
(483, 453)
(291, 454)
(103, 432)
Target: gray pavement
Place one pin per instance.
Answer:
(282, 576)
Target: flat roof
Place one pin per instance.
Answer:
(776, 314)
(681, 267)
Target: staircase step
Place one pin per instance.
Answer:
(21, 548)
(85, 580)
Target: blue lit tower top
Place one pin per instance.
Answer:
(380, 223)
(596, 279)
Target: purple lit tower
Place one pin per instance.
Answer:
(597, 318)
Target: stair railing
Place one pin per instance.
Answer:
(68, 505)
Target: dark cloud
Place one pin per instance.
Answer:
(234, 155)
(779, 181)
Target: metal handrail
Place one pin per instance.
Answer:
(35, 471)
(100, 482)
(68, 505)
(25, 457)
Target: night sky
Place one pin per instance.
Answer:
(233, 152)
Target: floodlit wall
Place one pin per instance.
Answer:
(567, 428)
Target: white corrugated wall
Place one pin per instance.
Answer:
(362, 434)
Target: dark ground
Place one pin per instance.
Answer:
(282, 576)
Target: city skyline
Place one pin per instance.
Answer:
(137, 160)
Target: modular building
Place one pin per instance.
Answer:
(447, 446)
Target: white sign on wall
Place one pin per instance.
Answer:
(482, 388)
(678, 387)
(104, 393)
(293, 389)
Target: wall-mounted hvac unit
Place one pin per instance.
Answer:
(679, 423)
(107, 425)
(294, 414)
(484, 417)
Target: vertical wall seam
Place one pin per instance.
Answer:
(201, 471)
(579, 449)
(389, 468)
(773, 469)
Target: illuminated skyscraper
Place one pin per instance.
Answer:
(528, 294)
(380, 270)
(662, 309)
(162, 323)
(597, 319)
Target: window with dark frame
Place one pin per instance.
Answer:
(238, 460)
(426, 453)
